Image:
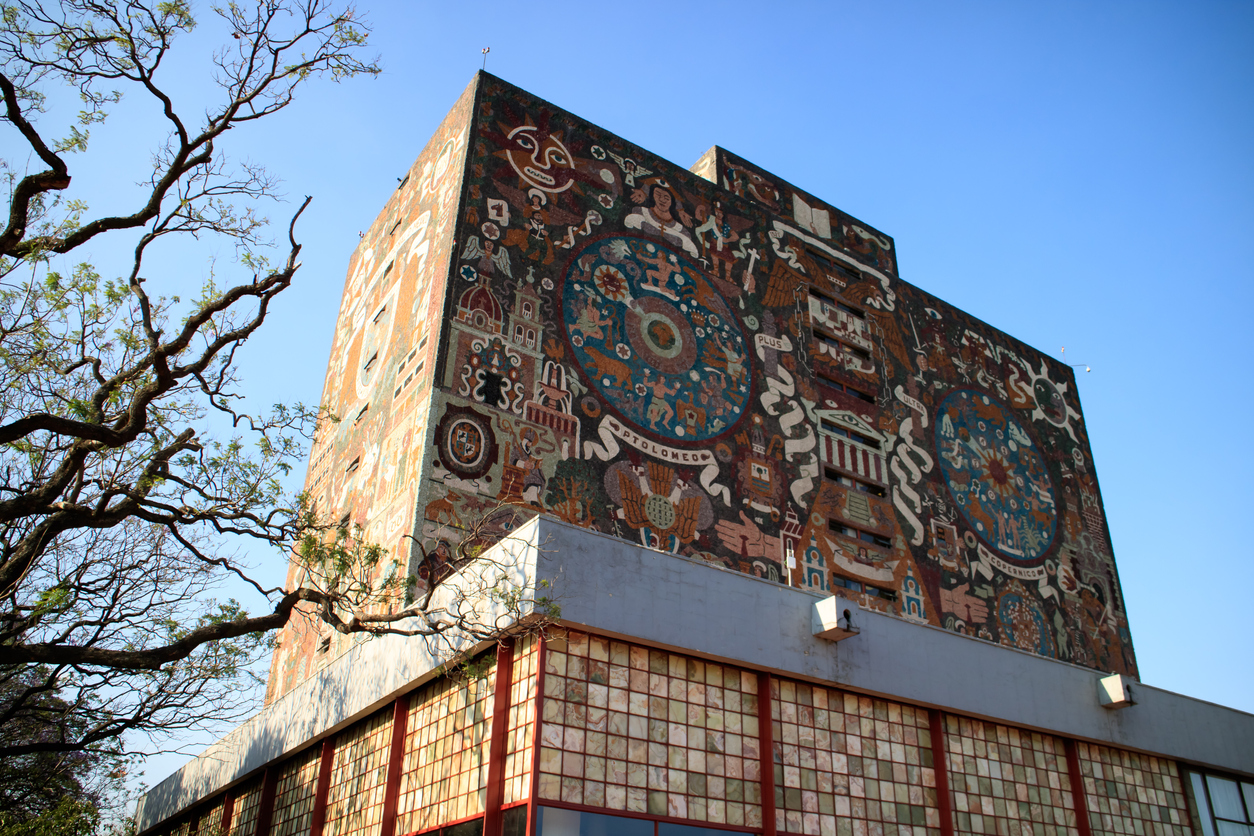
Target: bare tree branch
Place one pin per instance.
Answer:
(121, 512)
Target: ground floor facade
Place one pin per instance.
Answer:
(578, 730)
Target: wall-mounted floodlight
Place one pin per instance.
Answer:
(1115, 691)
(834, 618)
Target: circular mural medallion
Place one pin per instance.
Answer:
(465, 442)
(996, 475)
(655, 339)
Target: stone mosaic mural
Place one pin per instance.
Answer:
(716, 365)
(365, 469)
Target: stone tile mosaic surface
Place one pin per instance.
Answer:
(628, 728)
(294, 794)
(847, 765)
(1131, 793)
(359, 771)
(247, 805)
(444, 774)
(1008, 781)
(521, 725)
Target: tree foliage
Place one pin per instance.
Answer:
(54, 793)
(69, 816)
(121, 511)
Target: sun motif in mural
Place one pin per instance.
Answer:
(996, 475)
(611, 282)
(996, 471)
(656, 340)
(540, 158)
(1051, 402)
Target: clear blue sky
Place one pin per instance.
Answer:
(1077, 174)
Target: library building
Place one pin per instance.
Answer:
(829, 555)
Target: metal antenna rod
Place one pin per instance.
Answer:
(1086, 366)
(485, 52)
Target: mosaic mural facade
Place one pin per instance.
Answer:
(717, 365)
(365, 468)
(713, 364)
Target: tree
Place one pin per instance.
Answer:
(121, 512)
(54, 793)
(69, 816)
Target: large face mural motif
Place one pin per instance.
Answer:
(655, 339)
(543, 162)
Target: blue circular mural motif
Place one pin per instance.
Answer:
(1023, 623)
(656, 339)
(996, 475)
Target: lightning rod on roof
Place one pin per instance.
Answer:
(1086, 366)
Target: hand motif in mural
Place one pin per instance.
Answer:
(961, 603)
(747, 539)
